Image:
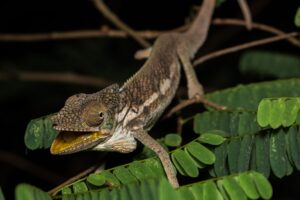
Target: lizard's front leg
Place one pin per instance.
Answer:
(163, 155)
(193, 85)
(195, 89)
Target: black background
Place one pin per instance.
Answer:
(111, 59)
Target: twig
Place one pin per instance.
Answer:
(259, 26)
(114, 19)
(105, 31)
(73, 179)
(243, 46)
(196, 99)
(246, 13)
(29, 167)
(179, 125)
(54, 77)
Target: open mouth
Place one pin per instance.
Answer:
(70, 142)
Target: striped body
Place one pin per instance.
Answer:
(144, 97)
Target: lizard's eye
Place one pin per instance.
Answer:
(93, 115)
(94, 119)
(101, 114)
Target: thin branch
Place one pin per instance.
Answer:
(259, 26)
(246, 13)
(196, 99)
(54, 77)
(243, 46)
(78, 34)
(121, 25)
(105, 31)
(73, 179)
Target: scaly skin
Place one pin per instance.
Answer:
(111, 119)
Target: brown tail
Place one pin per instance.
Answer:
(196, 34)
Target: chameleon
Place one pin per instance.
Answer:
(116, 117)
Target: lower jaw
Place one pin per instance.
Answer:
(72, 142)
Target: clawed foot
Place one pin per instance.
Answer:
(194, 90)
(196, 93)
(201, 99)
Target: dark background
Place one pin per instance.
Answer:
(110, 59)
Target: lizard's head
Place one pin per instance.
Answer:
(85, 120)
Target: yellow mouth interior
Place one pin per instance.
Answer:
(68, 142)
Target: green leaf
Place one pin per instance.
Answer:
(28, 192)
(268, 63)
(186, 193)
(297, 17)
(1, 195)
(104, 194)
(198, 191)
(124, 175)
(80, 187)
(222, 189)
(178, 166)
(245, 153)
(276, 113)
(207, 121)
(49, 134)
(140, 170)
(67, 194)
(172, 140)
(262, 144)
(220, 166)
(134, 192)
(145, 191)
(233, 155)
(39, 133)
(262, 185)
(253, 93)
(294, 146)
(66, 190)
(212, 139)
(247, 123)
(210, 191)
(96, 179)
(248, 185)
(34, 134)
(152, 186)
(289, 116)
(197, 162)
(185, 162)
(110, 178)
(278, 157)
(123, 193)
(155, 165)
(114, 194)
(263, 112)
(201, 153)
(167, 192)
(234, 190)
(94, 195)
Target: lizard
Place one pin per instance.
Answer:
(116, 117)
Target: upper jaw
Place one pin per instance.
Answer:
(71, 129)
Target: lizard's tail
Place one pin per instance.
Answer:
(196, 34)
